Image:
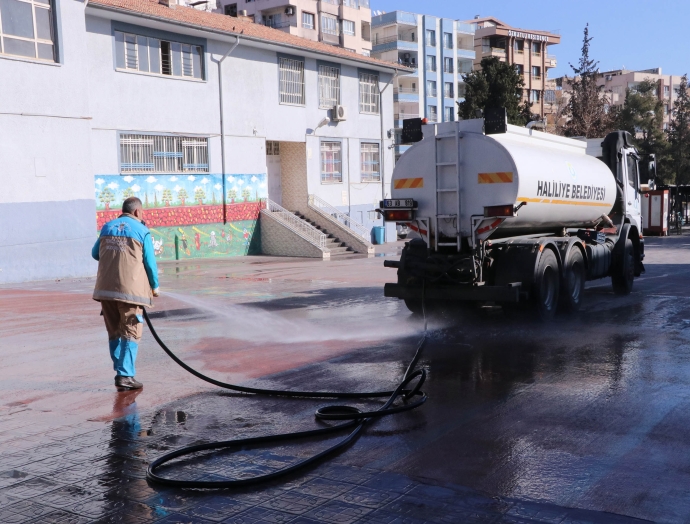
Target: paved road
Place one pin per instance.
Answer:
(576, 421)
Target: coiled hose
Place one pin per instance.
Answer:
(408, 389)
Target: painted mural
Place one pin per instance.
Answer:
(185, 212)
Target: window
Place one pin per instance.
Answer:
(231, 10)
(291, 81)
(331, 160)
(369, 93)
(430, 38)
(534, 95)
(448, 40)
(665, 109)
(667, 91)
(536, 71)
(632, 171)
(329, 25)
(431, 63)
(536, 48)
(27, 29)
(432, 114)
(519, 46)
(448, 65)
(158, 57)
(431, 89)
(272, 148)
(461, 89)
(329, 87)
(371, 162)
(449, 114)
(163, 154)
(348, 28)
(550, 96)
(307, 20)
(448, 90)
(520, 69)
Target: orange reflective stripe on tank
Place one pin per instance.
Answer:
(408, 183)
(563, 202)
(502, 177)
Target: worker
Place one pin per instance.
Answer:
(126, 282)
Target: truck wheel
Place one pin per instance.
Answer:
(546, 286)
(573, 282)
(624, 271)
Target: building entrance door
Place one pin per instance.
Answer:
(275, 190)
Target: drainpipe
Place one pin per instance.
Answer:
(383, 148)
(222, 124)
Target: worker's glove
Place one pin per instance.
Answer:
(157, 292)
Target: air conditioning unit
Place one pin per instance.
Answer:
(339, 114)
(289, 10)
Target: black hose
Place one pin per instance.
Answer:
(355, 418)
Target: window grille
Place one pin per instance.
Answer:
(158, 57)
(272, 148)
(329, 86)
(331, 161)
(450, 114)
(432, 114)
(448, 65)
(369, 93)
(26, 29)
(431, 63)
(371, 162)
(163, 154)
(291, 81)
(448, 90)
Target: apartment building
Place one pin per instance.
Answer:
(526, 49)
(439, 50)
(342, 23)
(616, 83)
(224, 128)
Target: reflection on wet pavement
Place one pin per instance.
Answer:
(583, 420)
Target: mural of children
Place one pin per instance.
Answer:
(246, 236)
(157, 246)
(183, 239)
(197, 240)
(213, 242)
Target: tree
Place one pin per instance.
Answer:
(106, 196)
(127, 193)
(199, 195)
(166, 197)
(232, 195)
(496, 84)
(588, 108)
(642, 116)
(679, 136)
(182, 195)
(246, 193)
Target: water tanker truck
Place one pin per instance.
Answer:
(505, 214)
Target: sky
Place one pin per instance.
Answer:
(635, 34)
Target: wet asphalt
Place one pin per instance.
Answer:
(582, 420)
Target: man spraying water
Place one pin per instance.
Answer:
(127, 279)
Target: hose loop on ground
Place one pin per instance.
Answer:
(353, 417)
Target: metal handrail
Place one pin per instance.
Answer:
(320, 204)
(296, 224)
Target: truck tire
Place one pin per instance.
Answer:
(414, 305)
(573, 285)
(624, 270)
(546, 286)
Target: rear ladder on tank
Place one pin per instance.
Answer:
(447, 155)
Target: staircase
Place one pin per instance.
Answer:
(334, 245)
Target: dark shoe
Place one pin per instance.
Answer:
(127, 383)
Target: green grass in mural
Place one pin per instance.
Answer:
(206, 240)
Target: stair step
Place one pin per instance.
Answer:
(336, 250)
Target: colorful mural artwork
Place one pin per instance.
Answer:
(185, 212)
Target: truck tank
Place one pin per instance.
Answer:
(457, 171)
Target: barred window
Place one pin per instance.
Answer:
(158, 57)
(331, 162)
(291, 81)
(369, 93)
(449, 114)
(329, 86)
(371, 162)
(26, 29)
(329, 25)
(272, 148)
(163, 154)
(448, 89)
(432, 114)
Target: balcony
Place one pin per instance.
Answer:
(328, 38)
(379, 40)
(551, 61)
(277, 24)
(405, 116)
(394, 17)
(498, 52)
(406, 90)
